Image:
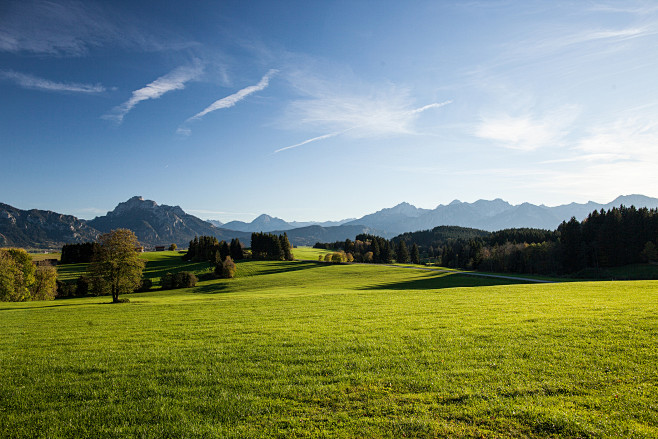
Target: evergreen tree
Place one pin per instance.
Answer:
(236, 250)
(376, 252)
(415, 254)
(285, 246)
(402, 254)
(572, 245)
(275, 249)
(386, 252)
(224, 250)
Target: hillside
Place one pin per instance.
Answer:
(305, 349)
(312, 234)
(41, 228)
(154, 224)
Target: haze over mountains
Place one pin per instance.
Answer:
(266, 223)
(162, 225)
(489, 215)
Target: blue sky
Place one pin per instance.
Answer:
(325, 110)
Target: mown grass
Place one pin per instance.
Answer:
(305, 349)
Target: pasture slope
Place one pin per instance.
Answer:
(306, 349)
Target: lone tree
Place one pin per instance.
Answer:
(117, 268)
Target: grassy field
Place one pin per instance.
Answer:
(157, 265)
(309, 253)
(305, 349)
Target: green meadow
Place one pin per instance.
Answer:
(308, 349)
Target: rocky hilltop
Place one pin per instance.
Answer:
(155, 224)
(41, 228)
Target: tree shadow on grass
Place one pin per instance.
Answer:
(275, 267)
(173, 264)
(437, 281)
(50, 305)
(211, 289)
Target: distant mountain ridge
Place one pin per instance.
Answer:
(266, 223)
(263, 223)
(41, 228)
(490, 215)
(163, 225)
(155, 224)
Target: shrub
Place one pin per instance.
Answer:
(185, 279)
(226, 269)
(145, 285)
(182, 279)
(167, 282)
(82, 286)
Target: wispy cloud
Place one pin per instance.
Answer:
(72, 28)
(528, 132)
(314, 139)
(630, 138)
(404, 119)
(174, 80)
(596, 35)
(228, 101)
(615, 157)
(36, 83)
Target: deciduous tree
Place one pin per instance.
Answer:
(117, 269)
(45, 283)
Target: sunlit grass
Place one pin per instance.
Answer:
(309, 253)
(306, 349)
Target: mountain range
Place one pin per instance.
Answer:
(490, 215)
(162, 225)
(266, 223)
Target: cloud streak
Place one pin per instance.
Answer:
(314, 139)
(174, 80)
(233, 99)
(36, 83)
(228, 101)
(365, 126)
(73, 28)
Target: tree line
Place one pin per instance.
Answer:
(372, 249)
(79, 253)
(605, 239)
(267, 246)
(208, 248)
